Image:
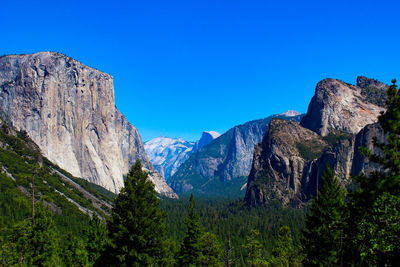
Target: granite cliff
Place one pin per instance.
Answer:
(288, 163)
(68, 109)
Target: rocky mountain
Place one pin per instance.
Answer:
(206, 138)
(288, 163)
(68, 109)
(221, 167)
(167, 154)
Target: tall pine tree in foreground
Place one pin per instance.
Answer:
(254, 250)
(136, 229)
(324, 232)
(191, 250)
(374, 230)
(284, 253)
(95, 237)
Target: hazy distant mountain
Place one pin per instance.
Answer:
(167, 154)
(221, 167)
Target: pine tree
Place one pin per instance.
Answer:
(43, 242)
(95, 237)
(74, 251)
(136, 228)
(324, 232)
(211, 250)
(284, 253)
(373, 228)
(191, 251)
(254, 250)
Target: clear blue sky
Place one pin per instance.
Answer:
(181, 67)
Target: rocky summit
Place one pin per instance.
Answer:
(288, 164)
(340, 107)
(68, 109)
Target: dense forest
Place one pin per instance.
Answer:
(43, 220)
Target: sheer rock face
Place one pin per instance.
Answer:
(340, 107)
(365, 139)
(281, 169)
(69, 110)
(286, 171)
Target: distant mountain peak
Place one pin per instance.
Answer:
(214, 134)
(167, 154)
(290, 113)
(206, 138)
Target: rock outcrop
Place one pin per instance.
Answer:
(206, 138)
(69, 110)
(343, 118)
(340, 107)
(222, 161)
(282, 164)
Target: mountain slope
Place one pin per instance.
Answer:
(71, 199)
(223, 165)
(68, 109)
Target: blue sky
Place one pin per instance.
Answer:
(182, 67)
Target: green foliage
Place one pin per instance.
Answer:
(333, 138)
(74, 252)
(32, 244)
(254, 250)
(95, 236)
(324, 232)
(310, 150)
(284, 253)
(211, 250)
(43, 243)
(374, 208)
(216, 188)
(191, 251)
(136, 227)
(231, 220)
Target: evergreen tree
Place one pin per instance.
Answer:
(43, 243)
(374, 208)
(15, 247)
(74, 252)
(284, 253)
(324, 232)
(254, 250)
(211, 250)
(95, 237)
(191, 251)
(136, 228)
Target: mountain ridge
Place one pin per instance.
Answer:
(227, 158)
